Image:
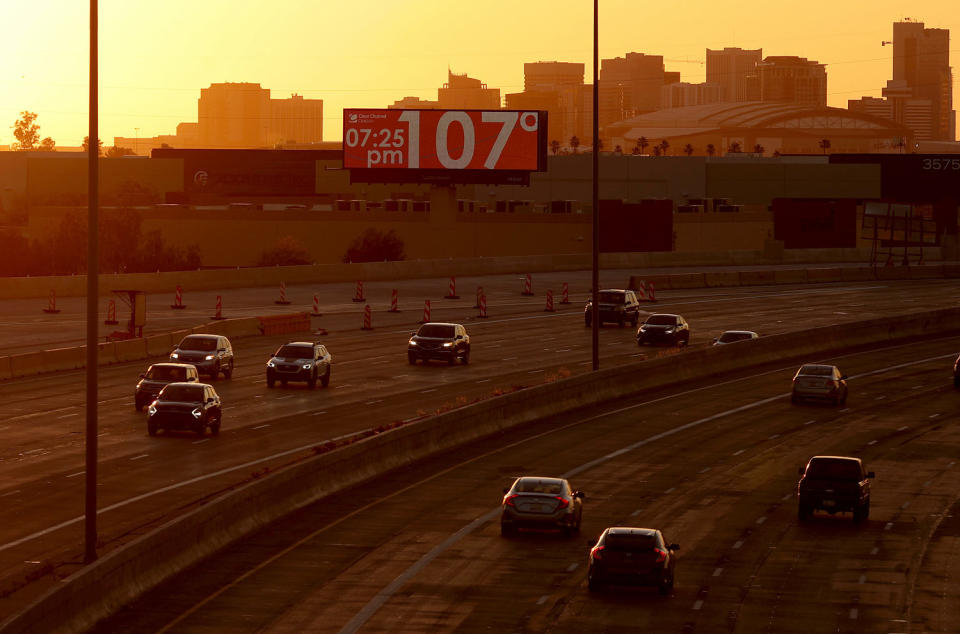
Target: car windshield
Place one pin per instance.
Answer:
(841, 469)
(661, 320)
(611, 297)
(182, 393)
(535, 485)
(167, 373)
(729, 337)
(439, 331)
(203, 344)
(632, 542)
(817, 370)
(295, 352)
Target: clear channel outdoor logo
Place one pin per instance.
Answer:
(200, 178)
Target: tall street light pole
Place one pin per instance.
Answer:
(595, 306)
(93, 268)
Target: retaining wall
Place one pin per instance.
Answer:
(104, 586)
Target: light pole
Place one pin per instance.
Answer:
(136, 142)
(93, 269)
(595, 305)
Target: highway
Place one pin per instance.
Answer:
(144, 481)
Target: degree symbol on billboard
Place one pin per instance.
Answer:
(200, 178)
(529, 121)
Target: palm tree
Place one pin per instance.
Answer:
(824, 145)
(776, 153)
(688, 149)
(636, 149)
(618, 150)
(643, 143)
(734, 148)
(711, 149)
(656, 150)
(555, 147)
(758, 149)
(599, 144)
(574, 143)
(664, 145)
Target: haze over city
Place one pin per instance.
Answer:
(153, 63)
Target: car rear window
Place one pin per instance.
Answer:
(203, 344)
(611, 298)
(185, 393)
(553, 487)
(661, 320)
(439, 331)
(817, 370)
(166, 373)
(729, 337)
(295, 352)
(829, 469)
(631, 542)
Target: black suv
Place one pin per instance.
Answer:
(300, 361)
(625, 555)
(435, 340)
(664, 328)
(186, 406)
(616, 305)
(211, 354)
(157, 376)
(835, 484)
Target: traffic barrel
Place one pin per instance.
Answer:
(367, 318)
(426, 311)
(549, 308)
(219, 314)
(283, 295)
(52, 303)
(651, 292)
(452, 293)
(358, 293)
(316, 307)
(111, 319)
(483, 306)
(641, 291)
(178, 299)
(527, 285)
(564, 293)
(394, 301)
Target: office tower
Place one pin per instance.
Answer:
(630, 86)
(735, 71)
(791, 79)
(466, 93)
(921, 61)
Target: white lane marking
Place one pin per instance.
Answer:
(261, 426)
(880, 398)
(774, 437)
(409, 420)
(761, 520)
(845, 410)
(698, 604)
(787, 497)
(717, 572)
(871, 443)
(483, 381)
(32, 451)
(737, 544)
(10, 493)
(401, 376)
(340, 387)
(535, 371)
(862, 579)
(68, 415)
(874, 551)
(197, 442)
(318, 413)
(951, 463)
(428, 391)
(933, 415)
(510, 359)
(637, 512)
(379, 400)
(926, 484)
(738, 452)
(283, 398)
(572, 567)
(543, 599)
(74, 475)
(704, 470)
(810, 422)
(904, 428)
(905, 504)
(917, 387)
(670, 490)
(853, 613)
(888, 526)
(143, 455)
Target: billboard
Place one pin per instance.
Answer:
(815, 223)
(468, 146)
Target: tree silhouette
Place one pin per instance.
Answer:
(117, 151)
(734, 148)
(636, 149)
(599, 144)
(48, 145)
(824, 145)
(26, 131)
(574, 143)
(688, 149)
(86, 145)
(555, 147)
(643, 143)
(758, 149)
(664, 146)
(656, 150)
(711, 149)
(618, 150)
(776, 152)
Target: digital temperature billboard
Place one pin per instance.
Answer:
(444, 145)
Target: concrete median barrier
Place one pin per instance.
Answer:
(125, 573)
(686, 280)
(130, 349)
(159, 345)
(790, 276)
(57, 359)
(857, 274)
(721, 278)
(832, 274)
(892, 272)
(757, 278)
(926, 272)
(26, 364)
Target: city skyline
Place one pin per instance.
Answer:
(149, 81)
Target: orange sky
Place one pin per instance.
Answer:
(155, 56)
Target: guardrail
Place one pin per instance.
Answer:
(127, 572)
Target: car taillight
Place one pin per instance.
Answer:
(508, 500)
(661, 555)
(564, 503)
(595, 553)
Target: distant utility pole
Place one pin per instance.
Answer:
(93, 268)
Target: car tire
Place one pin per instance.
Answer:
(861, 513)
(138, 405)
(271, 382)
(666, 585)
(200, 429)
(620, 322)
(312, 381)
(843, 400)
(152, 428)
(283, 382)
(452, 359)
(956, 381)
(228, 371)
(803, 512)
(465, 358)
(587, 320)
(635, 321)
(794, 399)
(412, 359)
(325, 379)
(215, 428)
(507, 530)
(594, 584)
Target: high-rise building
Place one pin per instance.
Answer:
(630, 86)
(295, 120)
(548, 100)
(566, 80)
(465, 93)
(414, 103)
(681, 94)
(791, 79)
(735, 71)
(921, 59)
(233, 115)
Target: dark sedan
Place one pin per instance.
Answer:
(664, 328)
(534, 502)
(186, 407)
(634, 557)
(157, 376)
(436, 340)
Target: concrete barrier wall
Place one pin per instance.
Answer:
(834, 274)
(26, 364)
(790, 276)
(63, 359)
(119, 577)
(721, 278)
(757, 278)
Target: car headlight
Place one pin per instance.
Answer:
(152, 409)
(271, 364)
(669, 330)
(174, 355)
(197, 413)
(307, 366)
(447, 344)
(210, 357)
(412, 342)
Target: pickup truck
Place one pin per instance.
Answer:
(835, 484)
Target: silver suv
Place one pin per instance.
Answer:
(300, 361)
